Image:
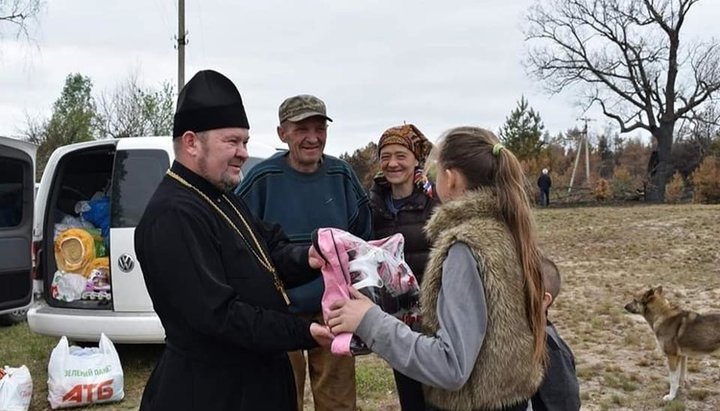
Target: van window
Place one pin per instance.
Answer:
(136, 175)
(250, 163)
(11, 192)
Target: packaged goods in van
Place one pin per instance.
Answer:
(93, 284)
(97, 286)
(67, 286)
(97, 212)
(74, 249)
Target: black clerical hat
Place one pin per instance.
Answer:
(208, 101)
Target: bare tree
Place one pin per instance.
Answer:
(702, 127)
(131, 110)
(626, 56)
(16, 14)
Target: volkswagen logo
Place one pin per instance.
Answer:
(126, 263)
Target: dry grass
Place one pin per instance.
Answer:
(605, 254)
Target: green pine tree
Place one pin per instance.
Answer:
(523, 130)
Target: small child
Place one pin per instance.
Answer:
(560, 389)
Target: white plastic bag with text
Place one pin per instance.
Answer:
(15, 389)
(79, 376)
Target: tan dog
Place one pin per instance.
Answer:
(679, 333)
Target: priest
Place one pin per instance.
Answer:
(216, 275)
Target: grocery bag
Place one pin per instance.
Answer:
(80, 376)
(15, 389)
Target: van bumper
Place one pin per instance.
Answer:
(87, 325)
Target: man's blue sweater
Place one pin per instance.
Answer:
(331, 196)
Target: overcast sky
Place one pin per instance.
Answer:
(376, 63)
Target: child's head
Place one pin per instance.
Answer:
(464, 161)
(470, 158)
(552, 281)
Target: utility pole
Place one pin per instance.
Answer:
(181, 42)
(587, 152)
(583, 141)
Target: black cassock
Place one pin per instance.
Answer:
(226, 323)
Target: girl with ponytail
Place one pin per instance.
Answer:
(483, 340)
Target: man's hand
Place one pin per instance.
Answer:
(314, 259)
(346, 315)
(321, 334)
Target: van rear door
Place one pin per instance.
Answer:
(17, 189)
(136, 174)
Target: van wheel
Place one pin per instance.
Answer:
(14, 317)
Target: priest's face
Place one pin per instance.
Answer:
(306, 142)
(220, 155)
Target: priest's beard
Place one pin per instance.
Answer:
(227, 182)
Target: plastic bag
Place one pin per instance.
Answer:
(67, 286)
(376, 268)
(69, 222)
(80, 376)
(98, 212)
(15, 389)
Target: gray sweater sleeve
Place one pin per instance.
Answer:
(447, 359)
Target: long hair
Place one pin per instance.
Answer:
(469, 150)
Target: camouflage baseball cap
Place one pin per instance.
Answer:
(300, 107)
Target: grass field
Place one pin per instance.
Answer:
(606, 254)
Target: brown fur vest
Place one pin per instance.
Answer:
(504, 372)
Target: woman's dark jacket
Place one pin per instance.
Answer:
(409, 221)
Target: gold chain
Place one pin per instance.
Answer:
(260, 253)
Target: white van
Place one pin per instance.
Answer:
(127, 170)
(17, 182)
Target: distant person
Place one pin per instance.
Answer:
(560, 390)
(304, 189)
(215, 274)
(402, 201)
(483, 341)
(544, 183)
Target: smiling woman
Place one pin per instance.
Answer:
(401, 200)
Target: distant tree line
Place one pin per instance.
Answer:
(619, 162)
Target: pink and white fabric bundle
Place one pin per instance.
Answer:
(376, 268)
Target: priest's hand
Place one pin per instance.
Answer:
(346, 315)
(314, 259)
(321, 334)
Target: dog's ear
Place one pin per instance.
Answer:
(649, 295)
(659, 290)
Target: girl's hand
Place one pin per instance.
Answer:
(345, 315)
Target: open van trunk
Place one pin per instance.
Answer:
(117, 179)
(81, 176)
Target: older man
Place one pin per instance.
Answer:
(304, 189)
(215, 274)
